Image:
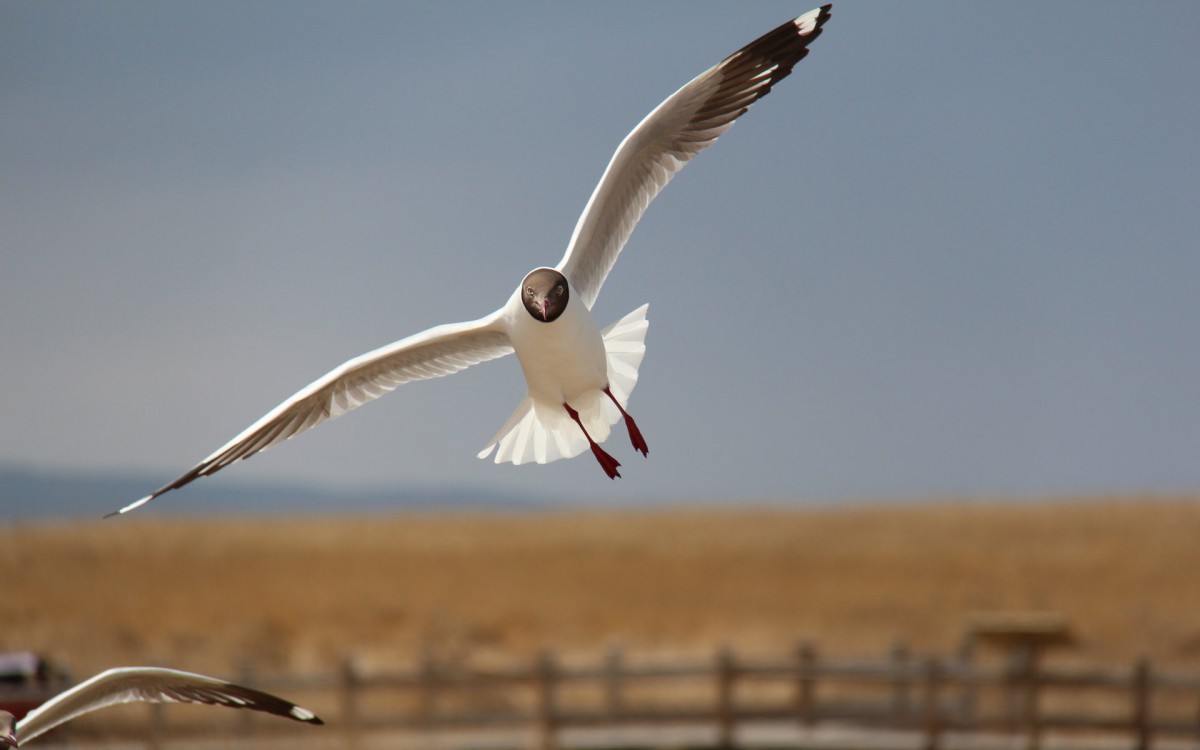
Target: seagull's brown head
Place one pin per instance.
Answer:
(545, 293)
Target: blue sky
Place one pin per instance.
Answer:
(957, 252)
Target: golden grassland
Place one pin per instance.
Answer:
(307, 593)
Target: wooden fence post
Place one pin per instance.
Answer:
(1031, 711)
(545, 670)
(427, 696)
(613, 683)
(158, 725)
(968, 688)
(726, 673)
(932, 701)
(246, 725)
(1142, 717)
(901, 706)
(806, 689)
(350, 718)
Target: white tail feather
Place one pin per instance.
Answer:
(541, 433)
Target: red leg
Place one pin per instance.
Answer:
(635, 435)
(607, 462)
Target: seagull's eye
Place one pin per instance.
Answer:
(559, 290)
(529, 290)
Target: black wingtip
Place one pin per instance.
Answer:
(138, 504)
(300, 713)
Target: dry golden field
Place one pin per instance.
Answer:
(306, 593)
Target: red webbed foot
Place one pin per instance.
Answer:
(635, 435)
(607, 462)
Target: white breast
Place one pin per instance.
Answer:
(562, 360)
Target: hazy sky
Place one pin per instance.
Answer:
(958, 251)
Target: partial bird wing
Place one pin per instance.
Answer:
(151, 685)
(433, 353)
(688, 122)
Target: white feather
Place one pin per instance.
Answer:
(541, 432)
(150, 685)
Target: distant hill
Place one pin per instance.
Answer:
(28, 494)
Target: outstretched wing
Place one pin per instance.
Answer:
(689, 121)
(433, 353)
(151, 685)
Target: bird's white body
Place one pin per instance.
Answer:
(562, 360)
(569, 361)
(579, 377)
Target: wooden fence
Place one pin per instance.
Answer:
(935, 701)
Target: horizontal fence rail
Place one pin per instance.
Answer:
(936, 701)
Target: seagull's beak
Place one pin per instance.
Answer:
(545, 309)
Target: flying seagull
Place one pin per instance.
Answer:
(579, 377)
(146, 685)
